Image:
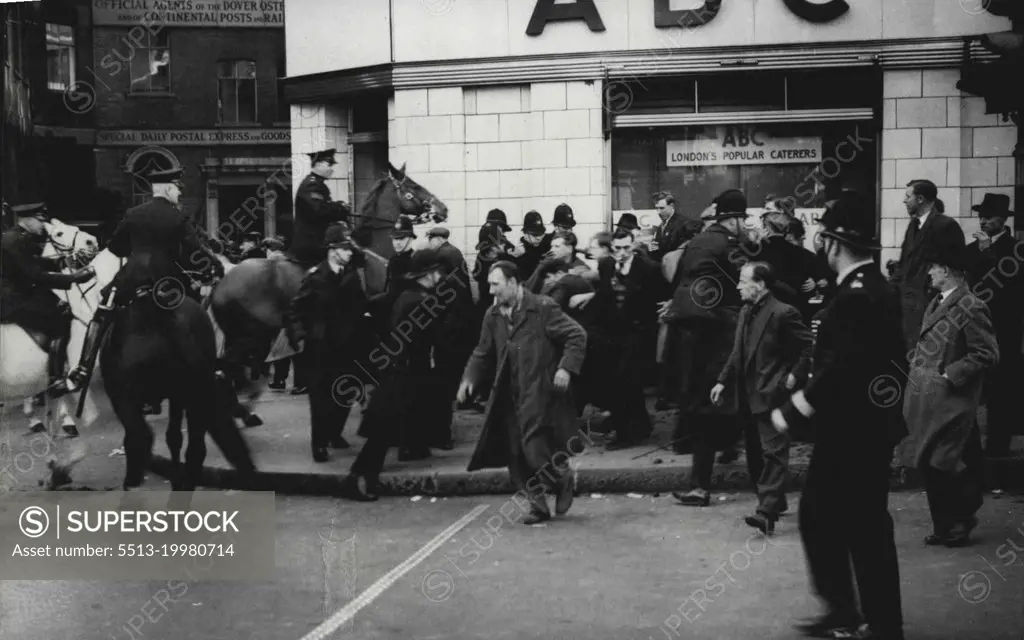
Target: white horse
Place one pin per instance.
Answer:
(23, 363)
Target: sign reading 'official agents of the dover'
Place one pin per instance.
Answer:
(188, 13)
(742, 145)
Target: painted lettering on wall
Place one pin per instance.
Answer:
(742, 145)
(192, 137)
(189, 13)
(665, 17)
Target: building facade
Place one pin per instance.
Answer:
(196, 87)
(522, 105)
(48, 137)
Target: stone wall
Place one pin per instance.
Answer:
(932, 130)
(316, 127)
(514, 148)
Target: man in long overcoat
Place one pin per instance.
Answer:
(956, 347)
(531, 349)
(999, 281)
(703, 312)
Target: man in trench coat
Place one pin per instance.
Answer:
(531, 349)
(956, 347)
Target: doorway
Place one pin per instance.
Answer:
(236, 206)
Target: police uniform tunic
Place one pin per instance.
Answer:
(26, 280)
(314, 212)
(853, 402)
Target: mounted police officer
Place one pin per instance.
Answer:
(853, 401)
(26, 280)
(159, 242)
(315, 210)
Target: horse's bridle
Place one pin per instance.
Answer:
(67, 251)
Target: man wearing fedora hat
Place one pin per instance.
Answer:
(329, 315)
(855, 373)
(956, 347)
(314, 210)
(996, 278)
(703, 313)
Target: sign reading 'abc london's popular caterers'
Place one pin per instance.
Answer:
(188, 13)
(739, 145)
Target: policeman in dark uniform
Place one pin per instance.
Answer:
(26, 280)
(159, 242)
(563, 220)
(329, 315)
(854, 402)
(401, 240)
(534, 244)
(315, 210)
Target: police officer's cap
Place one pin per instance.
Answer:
(337, 236)
(166, 176)
(563, 217)
(533, 223)
(32, 210)
(403, 229)
(498, 217)
(423, 262)
(326, 155)
(731, 203)
(850, 219)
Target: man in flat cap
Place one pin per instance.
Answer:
(996, 278)
(856, 367)
(315, 210)
(159, 241)
(26, 280)
(329, 315)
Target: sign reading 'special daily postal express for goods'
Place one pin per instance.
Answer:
(739, 145)
(188, 13)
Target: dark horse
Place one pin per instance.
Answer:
(142, 363)
(250, 301)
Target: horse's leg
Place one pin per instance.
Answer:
(174, 435)
(35, 424)
(138, 437)
(221, 426)
(67, 423)
(199, 411)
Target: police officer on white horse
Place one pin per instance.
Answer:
(159, 242)
(26, 283)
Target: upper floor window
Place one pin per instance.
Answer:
(151, 64)
(236, 80)
(60, 57)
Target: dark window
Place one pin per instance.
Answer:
(151, 63)
(650, 95)
(741, 92)
(60, 57)
(832, 89)
(370, 114)
(236, 80)
(369, 164)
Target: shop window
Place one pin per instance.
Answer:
(236, 81)
(60, 57)
(140, 168)
(151, 63)
(801, 160)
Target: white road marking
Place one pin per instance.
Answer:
(346, 613)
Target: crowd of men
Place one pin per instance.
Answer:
(745, 330)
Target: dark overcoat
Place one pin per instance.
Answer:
(938, 236)
(955, 347)
(314, 212)
(543, 340)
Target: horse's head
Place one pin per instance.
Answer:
(68, 241)
(415, 201)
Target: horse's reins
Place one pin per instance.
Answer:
(68, 253)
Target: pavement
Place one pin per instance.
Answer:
(614, 568)
(281, 451)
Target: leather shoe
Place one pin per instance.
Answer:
(827, 625)
(695, 498)
(320, 454)
(351, 490)
(762, 523)
(536, 517)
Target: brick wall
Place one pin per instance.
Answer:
(316, 127)
(932, 130)
(514, 148)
